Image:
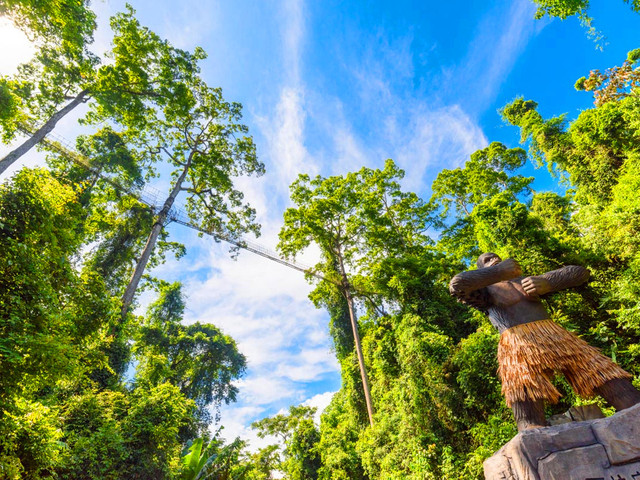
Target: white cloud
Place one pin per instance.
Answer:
(189, 26)
(493, 52)
(349, 153)
(285, 137)
(436, 139)
(265, 390)
(307, 365)
(385, 65)
(421, 138)
(250, 277)
(284, 129)
(264, 307)
(293, 37)
(321, 402)
(237, 421)
(422, 131)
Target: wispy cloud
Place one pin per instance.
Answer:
(265, 390)
(284, 128)
(189, 25)
(293, 37)
(421, 132)
(423, 129)
(492, 53)
(284, 132)
(436, 139)
(236, 423)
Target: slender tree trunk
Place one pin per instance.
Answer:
(129, 293)
(356, 338)
(42, 132)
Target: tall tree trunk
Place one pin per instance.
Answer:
(42, 132)
(129, 293)
(356, 337)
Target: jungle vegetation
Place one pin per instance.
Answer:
(89, 389)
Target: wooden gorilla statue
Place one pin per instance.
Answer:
(532, 347)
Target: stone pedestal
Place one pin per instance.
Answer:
(603, 449)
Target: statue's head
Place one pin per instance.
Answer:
(488, 260)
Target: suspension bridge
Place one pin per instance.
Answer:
(152, 198)
(149, 196)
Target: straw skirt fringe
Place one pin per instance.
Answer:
(530, 354)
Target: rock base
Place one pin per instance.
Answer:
(602, 449)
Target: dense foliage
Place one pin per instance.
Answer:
(89, 389)
(431, 362)
(68, 410)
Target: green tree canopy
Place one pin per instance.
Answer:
(199, 137)
(299, 435)
(142, 68)
(198, 359)
(68, 23)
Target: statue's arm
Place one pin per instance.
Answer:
(470, 287)
(556, 280)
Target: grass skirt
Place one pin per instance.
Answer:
(530, 354)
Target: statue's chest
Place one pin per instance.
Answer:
(506, 293)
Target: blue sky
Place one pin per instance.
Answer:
(327, 87)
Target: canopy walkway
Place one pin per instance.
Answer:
(153, 198)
